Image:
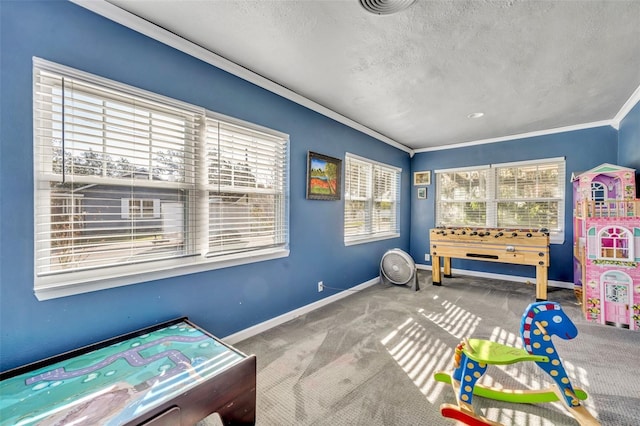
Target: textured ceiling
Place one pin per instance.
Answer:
(415, 76)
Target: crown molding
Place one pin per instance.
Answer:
(133, 22)
(626, 108)
(614, 122)
(520, 136)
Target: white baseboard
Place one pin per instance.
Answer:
(515, 278)
(274, 322)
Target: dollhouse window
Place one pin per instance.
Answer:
(616, 293)
(598, 192)
(616, 243)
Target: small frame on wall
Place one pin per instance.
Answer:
(422, 193)
(422, 178)
(323, 177)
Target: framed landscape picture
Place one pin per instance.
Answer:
(422, 178)
(323, 177)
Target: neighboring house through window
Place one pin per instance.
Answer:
(132, 186)
(139, 208)
(372, 200)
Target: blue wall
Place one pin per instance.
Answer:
(629, 143)
(228, 300)
(222, 301)
(583, 150)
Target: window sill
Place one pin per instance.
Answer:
(53, 287)
(369, 239)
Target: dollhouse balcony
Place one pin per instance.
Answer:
(608, 208)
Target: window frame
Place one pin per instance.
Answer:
(492, 200)
(50, 285)
(134, 208)
(240, 186)
(622, 234)
(370, 234)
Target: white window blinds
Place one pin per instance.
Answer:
(527, 194)
(98, 149)
(462, 197)
(372, 199)
(246, 183)
(132, 183)
(530, 195)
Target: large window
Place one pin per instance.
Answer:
(372, 200)
(519, 195)
(130, 183)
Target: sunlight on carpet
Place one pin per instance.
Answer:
(420, 354)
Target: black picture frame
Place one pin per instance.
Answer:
(324, 177)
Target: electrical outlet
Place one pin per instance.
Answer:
(320, 286)
(427, 257)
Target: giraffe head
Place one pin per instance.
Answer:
(550, 318)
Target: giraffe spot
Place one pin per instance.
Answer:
(554, 373)
(550, 350)
(555, 362)
(470, 366)
(536, 345)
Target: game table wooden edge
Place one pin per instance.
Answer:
(231, 393)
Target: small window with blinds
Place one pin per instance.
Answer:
(530, 195)
(246, 182)
(129, 182)
(523, 195)
(462, 197)
(372, 200)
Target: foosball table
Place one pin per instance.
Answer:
(517, 246)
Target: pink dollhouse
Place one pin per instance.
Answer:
(606, 245)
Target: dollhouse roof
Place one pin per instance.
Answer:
(602, 169)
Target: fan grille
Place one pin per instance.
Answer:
(385, 7)
(397, 268)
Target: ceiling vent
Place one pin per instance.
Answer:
(386, 7)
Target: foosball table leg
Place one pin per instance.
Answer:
(447, 267)
(435, 271)
(541, 283)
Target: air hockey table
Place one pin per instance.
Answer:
(170, 374)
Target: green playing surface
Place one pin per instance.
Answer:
(117, 382)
